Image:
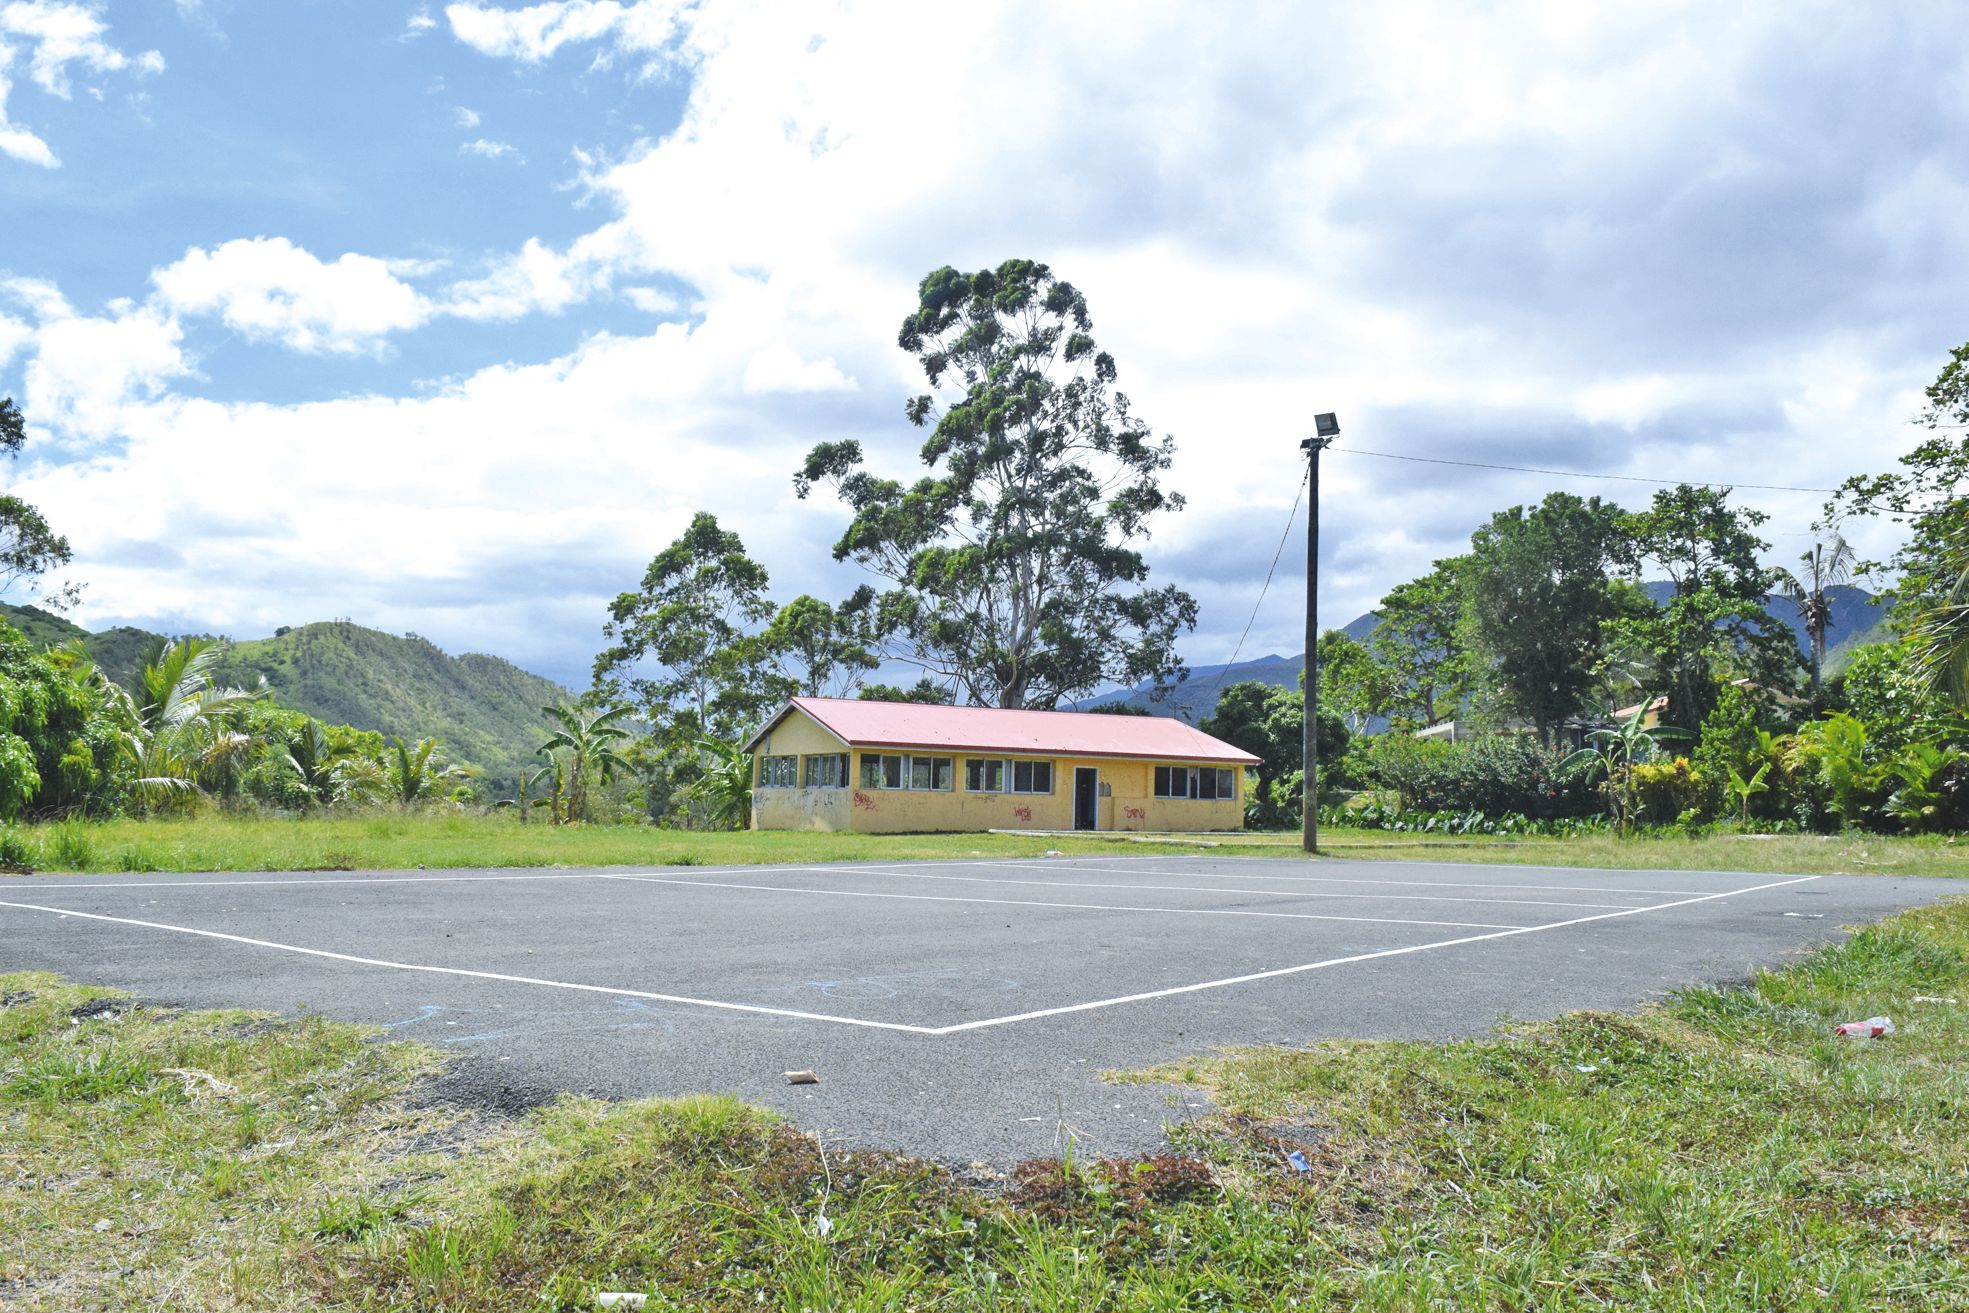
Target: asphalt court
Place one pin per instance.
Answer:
(959, 1008)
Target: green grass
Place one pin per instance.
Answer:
(1722, 1152)
(389, 839)
(386, 839)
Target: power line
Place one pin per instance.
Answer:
(1290, 516)
(1579, 474)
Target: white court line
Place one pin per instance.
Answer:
(476, 975)
(66, 886)
(1345, 961)
(1030, 902)
(1358, 879)
(898, 1026)
(1204, 889)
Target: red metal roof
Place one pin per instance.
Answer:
(862, 723)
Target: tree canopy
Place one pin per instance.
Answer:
(1013, 566)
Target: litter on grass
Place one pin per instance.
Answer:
(1585, 1068)
(1871, 1028)
(1299, 1163)
(620, 1299)
(1933, 998)
(802, 1078)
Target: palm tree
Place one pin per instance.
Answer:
(588, 739)
(180, 732)
(724, 781)
(1827, 566)
(1940, 635)
(413, 774)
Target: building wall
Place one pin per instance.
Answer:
(1128, 804)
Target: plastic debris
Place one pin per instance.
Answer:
(620, 1299)
(1585, 1068)
(1052, 852)
(1299, 1164)
(1871, 1028)
(802, 1078)
(196, 1081)
(1933, 998)
(1808, 916)
(823, 1225)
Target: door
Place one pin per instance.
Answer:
(1086, 798)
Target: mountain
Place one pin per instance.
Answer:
(485, 709)
(1858, 619)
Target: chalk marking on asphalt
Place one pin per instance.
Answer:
(477, 975)
(1256, 893)
(1349, 960)
(1358, 879)
(1031, 902)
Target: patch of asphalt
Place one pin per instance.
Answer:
(918, 947)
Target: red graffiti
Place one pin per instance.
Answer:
(1137, 814)
(1022, 813)
(863, 801)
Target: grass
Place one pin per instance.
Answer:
(1722, 1152)
(385, 840)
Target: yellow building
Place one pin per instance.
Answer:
(848, 764)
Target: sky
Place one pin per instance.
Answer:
(447, 318)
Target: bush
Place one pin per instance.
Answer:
(1666, 791)
(18, 852)
(1375, 816)
(1496, 776)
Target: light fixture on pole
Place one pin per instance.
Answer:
(1326, 427)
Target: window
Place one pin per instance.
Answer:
(894, 771)
(779, 772)
(828, 770)
(1208, 783)
(990, 775)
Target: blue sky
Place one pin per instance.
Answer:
(446, 318)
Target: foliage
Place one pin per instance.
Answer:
(1834, 757)
(1742, 790)
(1827, 565)
(1939, 634)
(725, 782)
(1714, 625)
(1665, 791)
(416, 773)
(530, 777)
(822, 651)
(1615, 753)
(29, 547)
(1539, 598)
(1353, 680)
(685, 643)
(1012, 567)
(1420, 641)
(1495, 775)
(1375, 816)
(56, 753)
(1270, 723)
(585, 746)
(178, 733)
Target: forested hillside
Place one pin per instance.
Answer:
(485, 710)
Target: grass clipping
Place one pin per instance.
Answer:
(1723, 1151)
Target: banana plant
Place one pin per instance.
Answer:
(179, 733)
(724, 781)
(586, 742)
(530, 777)
(1742, 790)
(414, 773)
(1615, 752)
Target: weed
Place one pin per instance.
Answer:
(83, 1076)
(69, 847)
(18, 850)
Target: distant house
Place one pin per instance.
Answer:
(1656, 706)
(1571, 733)
(846, 764)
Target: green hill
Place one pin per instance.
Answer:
(486, 710)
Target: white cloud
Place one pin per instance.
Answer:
(489, 150)
(466, 118)
(88, 372)
(534, 33)
(268, 289)
(54, 36)
(1551, 236)
(419, 22)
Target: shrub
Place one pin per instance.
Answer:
(1669, 792)
(1496, 776)
(18, 852)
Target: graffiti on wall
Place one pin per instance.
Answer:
(863, 802)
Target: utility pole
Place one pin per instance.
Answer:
(1326, 428)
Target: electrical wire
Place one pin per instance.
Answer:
(1578, 474)
(1290, 517)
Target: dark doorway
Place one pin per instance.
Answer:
(1086, 798)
